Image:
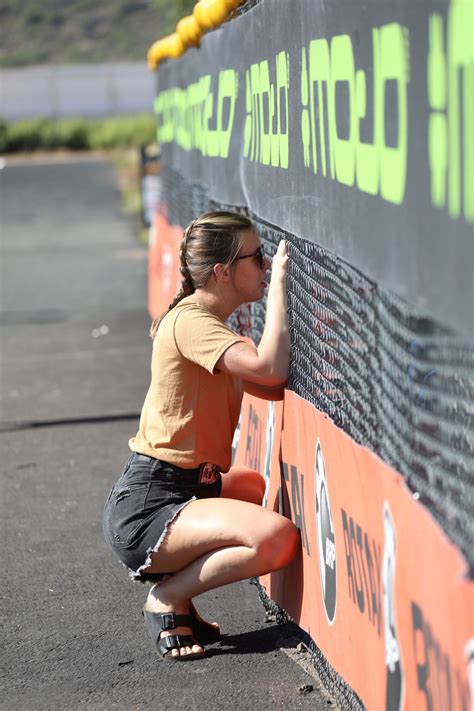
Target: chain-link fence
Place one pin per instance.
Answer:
(394, 380)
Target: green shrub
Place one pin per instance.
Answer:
(3, 136)
(77, 133)
(73, 134)
(123, 131)
(26, 135)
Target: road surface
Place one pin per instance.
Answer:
(75, 366)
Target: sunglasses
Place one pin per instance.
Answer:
(259, 255)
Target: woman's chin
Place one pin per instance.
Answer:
(261, 293)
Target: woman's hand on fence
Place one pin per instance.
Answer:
(280, 263)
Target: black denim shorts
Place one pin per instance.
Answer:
(142, 504)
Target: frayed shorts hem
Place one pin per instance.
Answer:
(141, 575)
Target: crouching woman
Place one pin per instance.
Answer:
(180, 516)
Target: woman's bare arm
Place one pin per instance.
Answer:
(264, 392)
(268, 363)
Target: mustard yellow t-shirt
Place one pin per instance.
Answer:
(190, 413)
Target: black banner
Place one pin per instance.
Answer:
(350, 124)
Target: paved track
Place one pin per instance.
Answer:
(73, 633)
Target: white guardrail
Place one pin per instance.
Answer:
(90, 90)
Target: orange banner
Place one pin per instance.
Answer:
(164, 277)
(377, 584)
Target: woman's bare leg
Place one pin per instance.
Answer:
(244, 484)
(215, 542)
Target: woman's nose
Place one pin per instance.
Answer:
(267, 263)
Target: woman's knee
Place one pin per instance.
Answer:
(278, 548)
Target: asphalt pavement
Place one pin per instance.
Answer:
(74, 370)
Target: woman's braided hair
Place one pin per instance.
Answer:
(213, 238)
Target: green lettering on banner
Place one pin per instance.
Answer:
(183, 129)
(228, 89)
(195, 109)
(265, 139)
(393, 65)
(342, 69)
(448, 78)
(283, 87)
(165, 131)
(248, 115)
(375, 167)
(437, 97)
(204, 90)
(201, 116)
(185, 115)
(319, 72)
(212, 141)
(255, 105)
(305, 130)
(264, 97)
(461, 62)
(367, 161)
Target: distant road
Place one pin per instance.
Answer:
(90, 90)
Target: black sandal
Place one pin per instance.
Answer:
(204, 632)
(158, 622)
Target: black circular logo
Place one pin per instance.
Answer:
(326, 538)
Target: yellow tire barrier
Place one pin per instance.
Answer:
(207, 14)
(189, 30)
(201, 13)
(175, 45)
(170, 47)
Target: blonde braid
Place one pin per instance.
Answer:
(187, 285)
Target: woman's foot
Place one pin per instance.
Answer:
(154, 604)
(204, 631)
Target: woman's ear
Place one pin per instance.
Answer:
(221, 272)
